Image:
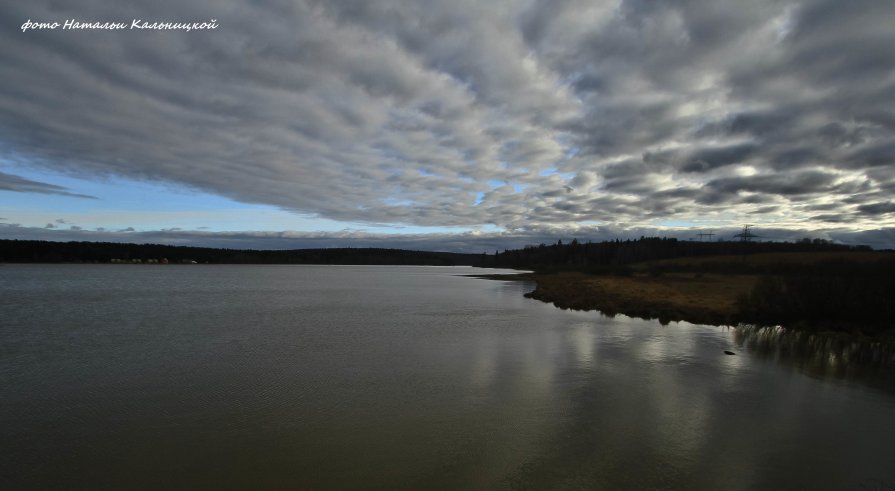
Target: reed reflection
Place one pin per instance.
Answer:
(823, 355)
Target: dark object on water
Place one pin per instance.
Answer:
(729, 352)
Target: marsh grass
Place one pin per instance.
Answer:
(699, 298)
(823, 354)
(848, 292)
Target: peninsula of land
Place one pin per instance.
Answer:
(822, 291)
(810, 285)
(833, 310)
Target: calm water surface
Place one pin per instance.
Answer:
(397, 377)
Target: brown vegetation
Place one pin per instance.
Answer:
(847, 291)
(693, 297)
(830, 306)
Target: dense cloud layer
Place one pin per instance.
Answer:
(513, 113)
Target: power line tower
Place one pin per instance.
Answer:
(746, 235)
(708, 234)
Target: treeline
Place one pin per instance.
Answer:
(599, 257)
(835, 295)
(613, 256)
(35, 251)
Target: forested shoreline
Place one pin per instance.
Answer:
(34, 251)
(615, 255)
(589, 257)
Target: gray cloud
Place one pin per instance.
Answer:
(878, 208)
(9, 182)
(403, 112)
(706, 159)
(801, 183)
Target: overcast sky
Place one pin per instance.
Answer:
(455, 125)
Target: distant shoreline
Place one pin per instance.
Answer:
(34, 251)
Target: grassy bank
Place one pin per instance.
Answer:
(844, 292)
(693, 297)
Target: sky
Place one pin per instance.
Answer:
(447, 124)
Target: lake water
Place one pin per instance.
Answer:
(363, 377)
